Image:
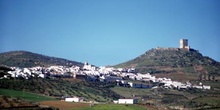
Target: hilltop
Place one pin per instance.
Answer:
(173, 60)
(29, 59)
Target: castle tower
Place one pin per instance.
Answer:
(184, 44)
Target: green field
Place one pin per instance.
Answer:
(24, 95)
(112, 107)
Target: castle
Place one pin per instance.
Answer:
(183, 46)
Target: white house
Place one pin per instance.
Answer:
(206, 87)
(198, 87)
(115, 101)
(41, 76)
(131, 84)
(127, 101)
(74, 99)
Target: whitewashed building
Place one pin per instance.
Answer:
(206, 87)
(74, 99)
(126, 101)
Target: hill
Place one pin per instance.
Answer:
(29, 59)
(173, 60)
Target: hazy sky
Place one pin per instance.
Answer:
(108, 32)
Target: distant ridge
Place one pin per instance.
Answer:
(30, 59)
(167, 60)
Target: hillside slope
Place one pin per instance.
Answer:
(67, 87)
(168, 60)
(29, 59)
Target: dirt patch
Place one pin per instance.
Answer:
(62, 105)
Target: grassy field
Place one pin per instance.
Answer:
(24, 95)
(112, 107)
(62, 105)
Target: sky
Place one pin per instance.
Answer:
(108, 32)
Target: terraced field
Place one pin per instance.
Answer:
(106, 92)
(94, 91)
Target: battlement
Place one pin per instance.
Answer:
(161, 48)
(183, 46)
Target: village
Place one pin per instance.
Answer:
(125, 77)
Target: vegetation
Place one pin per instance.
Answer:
(62, 105)
(95, 91)
(29, 59)
(112, 107)
(12, 103)
(158, 60)
(169, 58)
(168, 98)
(4, 70)
(104, 92)
(18, 100)
(130, 92)
(6, 102)
(24, 95)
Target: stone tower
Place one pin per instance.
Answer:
(184, 44)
